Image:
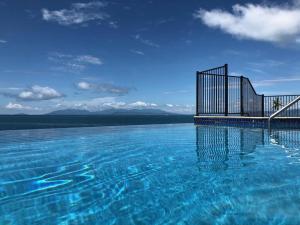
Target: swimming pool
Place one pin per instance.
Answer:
(153, 174)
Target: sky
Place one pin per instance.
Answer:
(96, 55)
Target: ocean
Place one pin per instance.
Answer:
(18, 122)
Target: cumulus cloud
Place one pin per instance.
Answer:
(84, 85)
(16, 106)
(104, 88)
(260, 22)
(34, 93)
(95, 104)
(3, 41)
(139, 104)
(102, 103)
(78, 13)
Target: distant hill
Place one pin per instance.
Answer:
(111, 112)
(70, 112)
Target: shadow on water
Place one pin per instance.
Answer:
(220, 148)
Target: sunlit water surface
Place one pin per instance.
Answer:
(160, 174)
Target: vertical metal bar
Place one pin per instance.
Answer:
(204, 92)
(241, 96)
(200, 94)
(197, 93)
(216, 94)
(262, 105)
(226, 89)
(213, 94)
(218, 97)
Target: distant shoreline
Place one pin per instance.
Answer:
(22, 122)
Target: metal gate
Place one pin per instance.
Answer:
(221, 94)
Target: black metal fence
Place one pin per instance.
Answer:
(212, 91)
(275, 102)
(221, 94)
(251, 102)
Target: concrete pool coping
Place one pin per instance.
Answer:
(283, 122)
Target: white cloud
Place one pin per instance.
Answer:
(170, 105)
(3, 41)
(141, 104)
(94, 104)
(71, 63)
(270, 23)
(145, 41)
(104, 88)
(79, 13)
(113, 24)
(16, 106)
(137, 52)
(88, 5)
(275, 81)
(84, 85)
(138, 104)
(114, 104)
(98, 104)
(35, 93)
(89, 59)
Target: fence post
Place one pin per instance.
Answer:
(226, 89)
(197, 93)
(241, 96)
(262, 105)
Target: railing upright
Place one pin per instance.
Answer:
(262, 105)
(197, 93)
(226, 89)
(241, 96)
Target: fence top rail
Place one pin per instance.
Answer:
(219, 67)
(213, 74)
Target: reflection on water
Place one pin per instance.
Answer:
(219, 147)
(285, 138)
(223, 147)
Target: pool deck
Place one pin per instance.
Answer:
(244, 121)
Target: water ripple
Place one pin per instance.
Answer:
(177, 174)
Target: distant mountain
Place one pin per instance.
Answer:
(134, 112)
(20, 114)
(70, 112)
(111, 112)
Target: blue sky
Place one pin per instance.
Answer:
(96, 55)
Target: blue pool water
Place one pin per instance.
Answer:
(153, 174)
